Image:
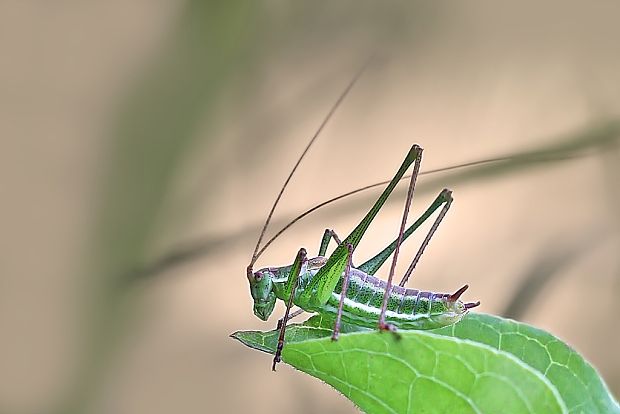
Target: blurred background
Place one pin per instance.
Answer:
(143, 143)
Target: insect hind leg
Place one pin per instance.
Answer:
(388, 288)
(446, 196)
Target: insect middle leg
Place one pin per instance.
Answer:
(343, 292)
(327, 236)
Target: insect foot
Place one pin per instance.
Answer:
(276, 360)
(391, 328)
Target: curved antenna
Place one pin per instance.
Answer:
(368, 187)
(343, 95)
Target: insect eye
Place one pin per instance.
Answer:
(258, 276)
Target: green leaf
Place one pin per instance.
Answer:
(483, 364)
(578, 383)
(267, 341)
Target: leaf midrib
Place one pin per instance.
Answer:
(459, 341)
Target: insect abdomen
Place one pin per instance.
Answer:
(407, 308)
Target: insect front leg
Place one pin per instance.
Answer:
(291, 316)
(289, 290)
(343, 292)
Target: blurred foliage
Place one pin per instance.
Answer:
(155, 131)
(590, 140)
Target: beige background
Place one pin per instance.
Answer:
(132, 129)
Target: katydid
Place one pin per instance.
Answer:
(333, 287)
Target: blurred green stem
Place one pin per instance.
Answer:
(155, 131)
(593, 139)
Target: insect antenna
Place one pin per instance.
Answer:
(369, 187)
(331, 112)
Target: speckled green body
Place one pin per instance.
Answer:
(407, 308)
